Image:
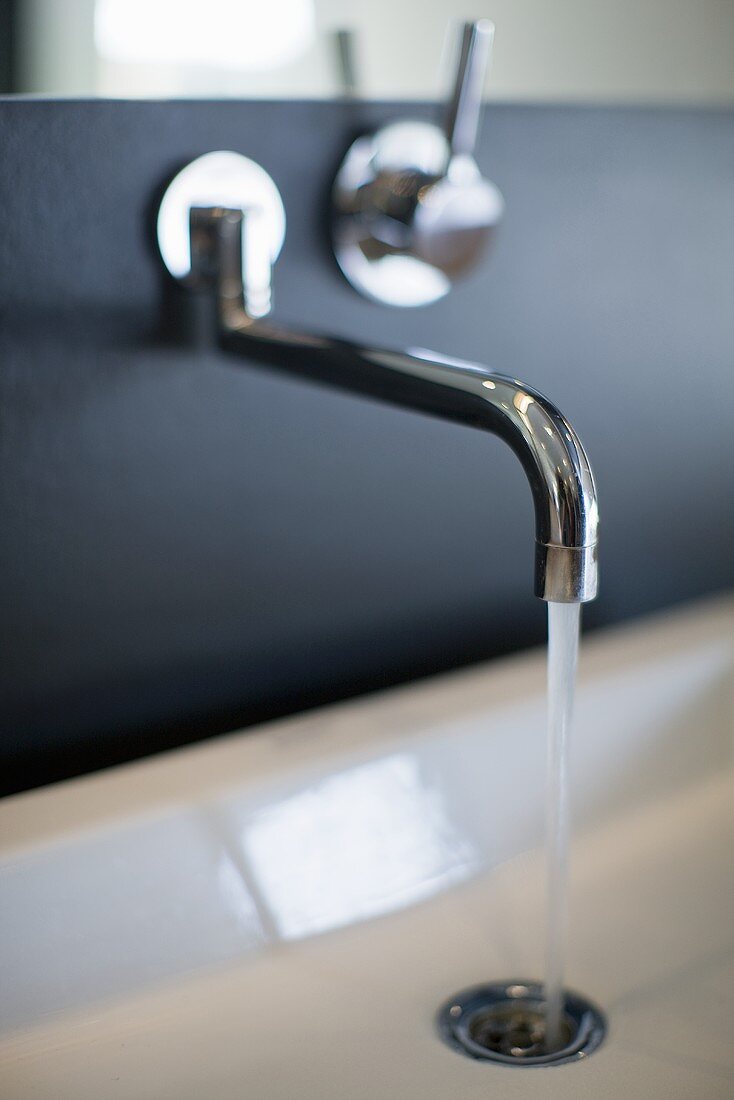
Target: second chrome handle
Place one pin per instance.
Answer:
(412, 211)
(465, 104)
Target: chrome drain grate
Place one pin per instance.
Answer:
(504, 1023)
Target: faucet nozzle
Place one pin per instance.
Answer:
(566, 574)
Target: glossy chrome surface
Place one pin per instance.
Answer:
(462, 117)
(560, 477)
(412, 212)
(221, 179)
(504, 1023)
(229, 251)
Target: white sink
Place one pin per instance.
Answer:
(281, 912)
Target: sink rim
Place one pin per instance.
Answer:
(246, 759)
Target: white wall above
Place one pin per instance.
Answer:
(647, 51)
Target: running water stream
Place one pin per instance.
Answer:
(563, 645)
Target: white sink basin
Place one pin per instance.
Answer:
(281, 913)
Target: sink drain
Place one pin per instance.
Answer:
(505, 1023)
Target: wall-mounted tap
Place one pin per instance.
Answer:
(221, 225)
(411, 210)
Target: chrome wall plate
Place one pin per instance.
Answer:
(220, 179)
(410, 218)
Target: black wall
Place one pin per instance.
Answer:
(189, 545)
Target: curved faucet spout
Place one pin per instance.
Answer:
(560, 477)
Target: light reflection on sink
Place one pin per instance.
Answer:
(426, 803)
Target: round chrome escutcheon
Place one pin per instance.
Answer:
(220, 179)
(410, 219)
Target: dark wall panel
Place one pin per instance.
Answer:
(189, 545)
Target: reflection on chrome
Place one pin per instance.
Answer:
(522, 401)
(566, 512)
(354, 845)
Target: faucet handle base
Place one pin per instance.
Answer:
(410, 218)
(218, 181)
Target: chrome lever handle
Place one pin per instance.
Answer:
(412, 212)
(223, 197)
(465, 104)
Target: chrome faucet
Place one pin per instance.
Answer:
(221, 225)
(412, 213)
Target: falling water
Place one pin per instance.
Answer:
(563, 644)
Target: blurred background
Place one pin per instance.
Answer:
(651, 51)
